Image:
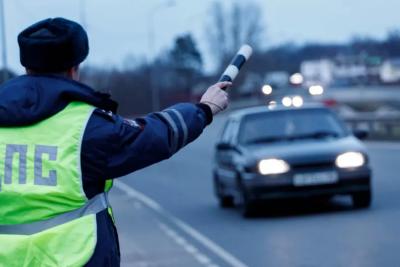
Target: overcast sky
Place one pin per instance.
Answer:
(119, 28)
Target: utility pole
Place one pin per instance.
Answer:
(3, 41)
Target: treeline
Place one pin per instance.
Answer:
(288, 57)
(173, 76)
(178, 74)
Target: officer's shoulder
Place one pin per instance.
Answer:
(105, 114)
(112, 117)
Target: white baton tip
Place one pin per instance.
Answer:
(231, 71)
(246, 51)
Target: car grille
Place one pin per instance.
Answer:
(299, 167)
(312, 166)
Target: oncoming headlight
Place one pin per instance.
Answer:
(286, 101)
(316, 90)
(297, 101)
(272, 166)
(267, 89)
(350, 160)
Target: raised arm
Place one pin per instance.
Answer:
(135, 144)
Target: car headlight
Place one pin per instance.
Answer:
(350, 160)
(272, 166)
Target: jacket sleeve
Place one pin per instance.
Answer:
(144, 141)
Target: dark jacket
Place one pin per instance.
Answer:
(112, 146)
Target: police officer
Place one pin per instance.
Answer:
(61, 143)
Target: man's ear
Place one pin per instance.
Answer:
(73, 73)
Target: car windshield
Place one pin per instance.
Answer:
(290, 125)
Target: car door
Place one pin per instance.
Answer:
(226, 152)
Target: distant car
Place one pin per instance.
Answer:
(289, 96)
(302, 152)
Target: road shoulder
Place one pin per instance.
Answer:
(146, 240)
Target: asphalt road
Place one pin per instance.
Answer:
(168, 212)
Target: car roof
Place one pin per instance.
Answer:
(239, 114)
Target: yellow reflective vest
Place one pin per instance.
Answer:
(45, 217)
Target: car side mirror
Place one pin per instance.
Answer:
(224, 146)
(228, 146)
(361, 134)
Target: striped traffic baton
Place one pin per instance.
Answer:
(238, 61)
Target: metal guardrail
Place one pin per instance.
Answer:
(379, 126)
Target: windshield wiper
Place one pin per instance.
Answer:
(267, 140)
(315, 135)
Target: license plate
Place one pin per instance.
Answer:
(315, 178)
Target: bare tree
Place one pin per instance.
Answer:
(216, 32)
(231, 26)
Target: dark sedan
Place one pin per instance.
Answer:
(283, 152)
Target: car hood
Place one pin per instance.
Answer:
(304, 151)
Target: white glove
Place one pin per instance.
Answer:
(216, 98)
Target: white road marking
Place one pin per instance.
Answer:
(205, 241)
(203, 259)
(190, 249)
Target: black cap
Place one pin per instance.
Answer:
(53, 45)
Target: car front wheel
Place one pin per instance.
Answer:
(224, 201)
(362, 199)
(246, 206)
